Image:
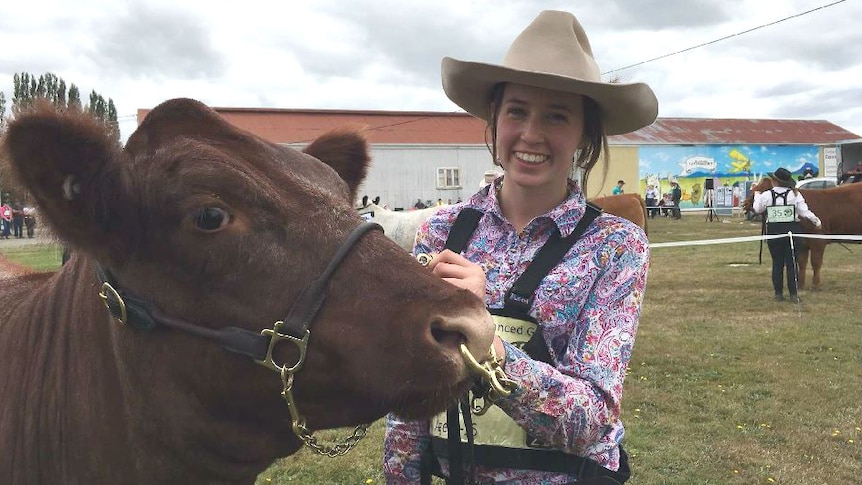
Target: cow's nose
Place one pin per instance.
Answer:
(473, 327)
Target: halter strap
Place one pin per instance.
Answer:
(143, 315)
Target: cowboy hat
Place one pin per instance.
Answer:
(783, 177)
(553, 52)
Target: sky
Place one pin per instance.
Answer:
(385, 54)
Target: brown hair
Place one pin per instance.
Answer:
(594, 144)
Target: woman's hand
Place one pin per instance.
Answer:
(459, 271)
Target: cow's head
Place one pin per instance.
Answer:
(217, 227)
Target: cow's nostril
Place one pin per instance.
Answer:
(447, 338)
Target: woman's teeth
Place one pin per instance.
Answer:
(531, 157)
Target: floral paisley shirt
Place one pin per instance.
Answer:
(588, 308)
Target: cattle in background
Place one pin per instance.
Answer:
(210, 236)
(840, 211)
(400, 226)
(627, 206)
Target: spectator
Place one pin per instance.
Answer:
(619, 188)
(676, 197)
(5, 221)
(651, 201)
(17, 219)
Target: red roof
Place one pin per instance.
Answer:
(708, 131)
(429, 127)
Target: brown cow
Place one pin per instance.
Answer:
(627, 206)
(840, 211)
(210, 235)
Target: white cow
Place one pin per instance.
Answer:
(400, 226)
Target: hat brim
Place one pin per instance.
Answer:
(625, 107)
(784, 183)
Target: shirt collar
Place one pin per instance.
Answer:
(565, 215)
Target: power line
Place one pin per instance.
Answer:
(724, 38)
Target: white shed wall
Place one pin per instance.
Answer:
(401, 174)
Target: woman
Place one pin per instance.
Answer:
(784, 205)
(547, 110)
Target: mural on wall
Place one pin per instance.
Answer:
(727, 165)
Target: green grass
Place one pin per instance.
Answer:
(41, 257)
(725, 385)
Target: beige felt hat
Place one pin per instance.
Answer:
(553, 52)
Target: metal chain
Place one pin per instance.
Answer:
(298, 422)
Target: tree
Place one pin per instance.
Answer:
(27, 88)
(2, 111)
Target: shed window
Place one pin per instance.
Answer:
(448, 178)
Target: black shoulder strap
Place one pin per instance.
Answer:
(463, 228)
(520, 296)
(776, 195)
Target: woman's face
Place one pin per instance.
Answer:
(538, 132)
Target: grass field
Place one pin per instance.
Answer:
(725, 385)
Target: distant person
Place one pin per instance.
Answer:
(676, 197)
(651, 196)
(5, 221)
(419, 204)
(619, 188)
(30, 220)
(783, 205)
(17, 219)
(808, 173)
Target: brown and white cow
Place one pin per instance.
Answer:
(216, 233)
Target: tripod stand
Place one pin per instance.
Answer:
(711, 215)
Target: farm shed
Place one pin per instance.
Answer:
(427, 156)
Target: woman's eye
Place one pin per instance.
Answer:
(516, 112)
(211, 218)
(558, 118)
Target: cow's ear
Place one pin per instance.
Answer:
(76, 171)
(346, 151)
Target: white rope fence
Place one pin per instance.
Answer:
(729, 240)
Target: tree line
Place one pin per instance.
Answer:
(27, 88)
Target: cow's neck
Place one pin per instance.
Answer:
(98, 413)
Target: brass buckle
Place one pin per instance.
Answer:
(275, 336)
(108, 293)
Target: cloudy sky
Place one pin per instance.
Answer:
(385, 54)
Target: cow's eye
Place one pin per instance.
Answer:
(211, 218)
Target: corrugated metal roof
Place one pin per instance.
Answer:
(430, 127)
(708, 131)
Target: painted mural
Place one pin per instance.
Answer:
(728, 166)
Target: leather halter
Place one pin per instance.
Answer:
(143, 315)
(140, 314)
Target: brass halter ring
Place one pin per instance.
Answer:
(424, 259)
(287, 372)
